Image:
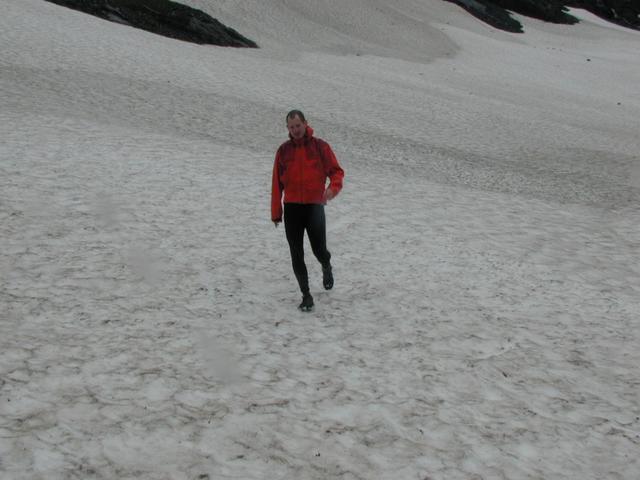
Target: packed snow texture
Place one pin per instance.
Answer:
(484, 322)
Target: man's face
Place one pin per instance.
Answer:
(296, 127)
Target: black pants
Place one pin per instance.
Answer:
(297, 219)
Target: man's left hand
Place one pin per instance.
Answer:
(328, 195)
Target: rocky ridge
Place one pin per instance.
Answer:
(163, 17)
(497, 13)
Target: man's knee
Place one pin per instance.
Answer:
(321, 253)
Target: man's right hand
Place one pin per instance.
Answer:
(276, 223)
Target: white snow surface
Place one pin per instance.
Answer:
(484, 322)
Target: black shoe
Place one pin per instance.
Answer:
(307, 302)
(327, 277)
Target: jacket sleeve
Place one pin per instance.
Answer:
(332, 169)
(276, 191)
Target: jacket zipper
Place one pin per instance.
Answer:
(301, 160)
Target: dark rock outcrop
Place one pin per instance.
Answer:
(622, 12)
(490, 13)
(553, 11)
(497, 12)
(163, 17)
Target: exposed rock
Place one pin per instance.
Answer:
(163, 17)
(492, 14)
(622, 12)
(497, 13)
(553, 11)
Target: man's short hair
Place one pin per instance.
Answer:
(295, 113)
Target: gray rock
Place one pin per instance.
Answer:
(497, 13)
(163, 17)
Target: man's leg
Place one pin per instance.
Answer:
(294, 223)
(317, 231)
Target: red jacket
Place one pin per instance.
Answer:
(301, 170)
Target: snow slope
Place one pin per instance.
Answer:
(485, 248)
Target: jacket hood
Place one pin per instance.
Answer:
(307, 135)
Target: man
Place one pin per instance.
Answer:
(301, 169)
